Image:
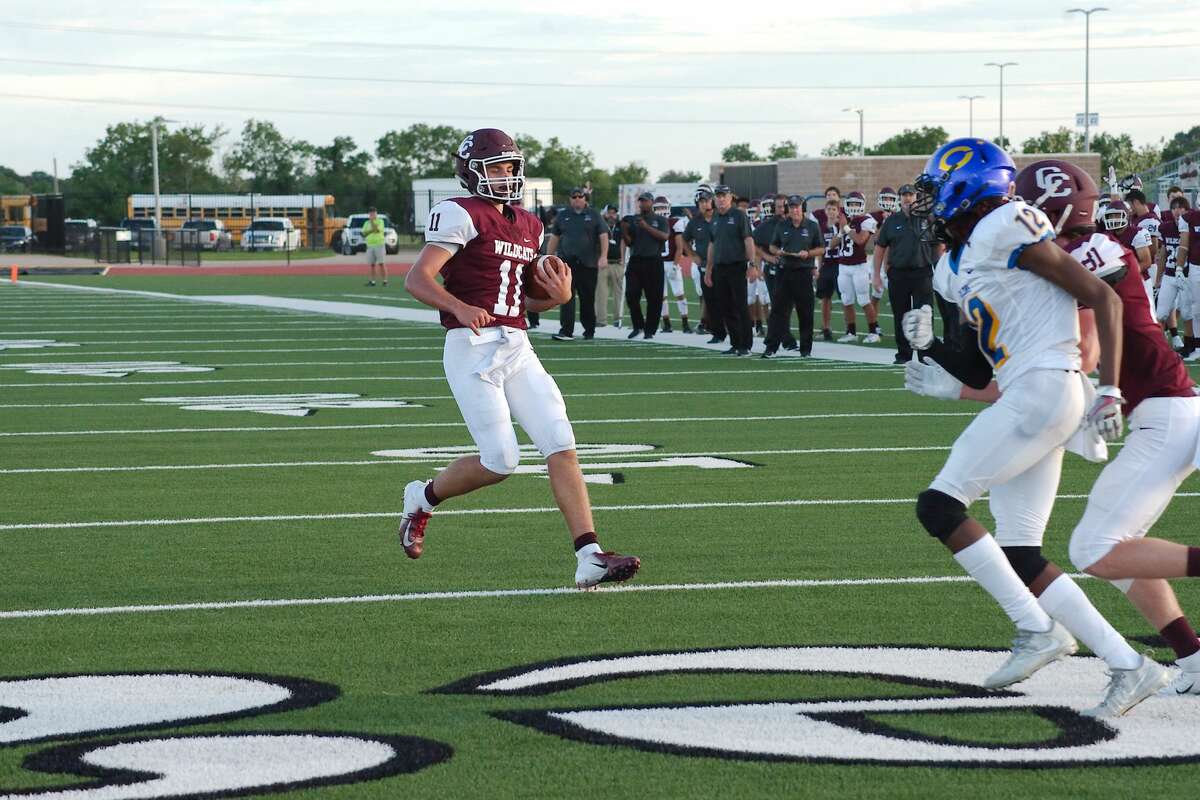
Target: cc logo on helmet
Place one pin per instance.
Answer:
(965, 153)
(1053, 182)
(464, 149)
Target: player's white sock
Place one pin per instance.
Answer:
(1190, 663)
(986, 563)
(587, 550)
(1066, 602)
(682, 306)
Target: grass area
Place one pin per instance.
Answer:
(241, 256)
(124, 492)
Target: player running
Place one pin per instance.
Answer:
(1019, 293)
(482, 246)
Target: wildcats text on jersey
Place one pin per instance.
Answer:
(514, 251)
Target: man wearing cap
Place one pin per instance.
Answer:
(797, 244)
(696, 238)
(580, 237)
(774, 212)
(730, 254)
(644, 234)
(907, 261)
(611, 278)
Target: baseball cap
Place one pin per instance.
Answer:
(578, 190)
(721, 188)
(907, 189)
(795, 200)
(646, 196)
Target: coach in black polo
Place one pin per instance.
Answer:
(579, 237)
(797, 243)
(905, 258)
(644, 234)
(729, 254)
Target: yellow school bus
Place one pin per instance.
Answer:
(312, 214)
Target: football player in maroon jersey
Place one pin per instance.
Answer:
(1187, 257)
(828, 219)
(854, 279)
(482, 246)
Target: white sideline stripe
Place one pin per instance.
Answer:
(565, 394)
(774, 373)
(628, 421)
(405, 461)
(395, 514)
(783, 583)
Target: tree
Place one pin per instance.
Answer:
(919, 142)
(1181, 144)
(340, 169)
(1004, 143)
(633, 172)
(272, 163)
(679, 176)
(421, 151)
(739, 152)
(842, 147)
(1062, 140)
(1119, 152)
(780, 150)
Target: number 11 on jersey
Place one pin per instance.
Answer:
(507, 276)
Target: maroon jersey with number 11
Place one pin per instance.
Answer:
(492, 247)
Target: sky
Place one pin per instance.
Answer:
(667, 84)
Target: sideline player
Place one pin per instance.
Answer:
(1067, 195)
(1172, 292)
(1014, 448)
(1136, 238)
(1187, 256)
(672, 270)
(854, 274)
(482, 245)
(829, 218)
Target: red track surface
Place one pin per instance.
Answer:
(256, 269)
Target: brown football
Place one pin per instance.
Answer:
(532, 282)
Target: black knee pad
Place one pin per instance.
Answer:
(1027, 562)
(940, 513)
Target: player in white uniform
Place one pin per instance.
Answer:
(854, 273)
(1019, 292)
(672, 269)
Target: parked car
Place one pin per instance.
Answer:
(16, 239)
(353, 241)
(209, 234)
(80, 234)
(139, 229)
(271, 233)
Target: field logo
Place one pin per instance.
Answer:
(32, 344)
(835, 730)
(286, 405)
(108, 369)
(77, 708)
(617, 457)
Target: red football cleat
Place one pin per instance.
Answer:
(414, 520)
(599, 568)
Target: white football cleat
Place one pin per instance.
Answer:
(1031, 651)
(605, 567)
(1186, 683)
(414, 519)
(872, 338)
(849, 337)
(1177, 342)
(1128, 687)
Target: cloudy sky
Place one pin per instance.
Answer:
(668, 84)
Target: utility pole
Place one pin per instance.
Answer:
(55, 160)
(859, 111)
(970, 111)
(1087, 66)
(1001, 66)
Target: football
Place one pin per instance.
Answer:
(534, 276)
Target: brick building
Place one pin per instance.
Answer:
(810, 176)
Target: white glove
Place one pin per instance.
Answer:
(918, 327)
(1104, 416)
(929, 379)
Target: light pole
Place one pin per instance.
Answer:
(858, 111)
(970, 98)
(1087, 64)
(154, 123)
(1001, 66)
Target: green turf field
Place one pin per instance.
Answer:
(144, 530)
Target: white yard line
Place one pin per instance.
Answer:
(624, 421)
(480, 594)
(405, 461)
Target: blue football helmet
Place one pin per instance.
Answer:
(962, 172)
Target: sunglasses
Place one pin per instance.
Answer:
(576, 196)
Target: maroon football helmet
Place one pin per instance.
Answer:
(855, 204)
(662, 206)
(1066, 193)
(887, 199)
(482, 148)
(1116, 216)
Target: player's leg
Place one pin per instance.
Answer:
(862, 292)
(826, 286)
(666, 305)
(1183, 309)
(538, 405)
(1156, 601)
(675, 285)
(845, 283)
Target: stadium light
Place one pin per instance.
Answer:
(1087, 63)
(154, 165)
(858, 111)
(1001, 66)
(970, 98)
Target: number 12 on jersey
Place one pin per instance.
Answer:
(987, 324)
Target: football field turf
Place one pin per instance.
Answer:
(792, 632)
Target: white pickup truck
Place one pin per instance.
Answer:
(271, 233)
(353, 241)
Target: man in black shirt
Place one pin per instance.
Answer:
(797, 243)
(580, 237)
(696, 238)
(729, 255)
(906, 264)
(774, 214)
(644, 235)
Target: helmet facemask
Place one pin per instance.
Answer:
(504, 188)
(1115, 219)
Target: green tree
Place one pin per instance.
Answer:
(785, 149)
(421, 151)
(919, 142)
(11, 182)
(1181, 144)
(266, 161)
(679, 176)
(1119, 152)
(341, 169)
(1062, 140)
(739, 152)
(842, 147)
(1004, 143)
(633, 172)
